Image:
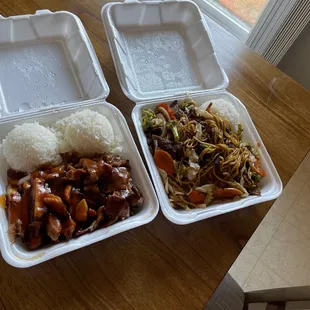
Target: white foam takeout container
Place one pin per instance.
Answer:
(162, 51)
(49, 70)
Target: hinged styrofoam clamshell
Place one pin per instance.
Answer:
(271, 185)
(161, 49)
(49, 70)
(46, 61)
(16, 254)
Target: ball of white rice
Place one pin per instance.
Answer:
(30, 145)
(224, 109)
(85, 132)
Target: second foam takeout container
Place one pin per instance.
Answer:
(162, 51)
(49, 70)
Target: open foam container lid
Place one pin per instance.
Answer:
(46, 61)
(161, 49)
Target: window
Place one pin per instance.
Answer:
(245, 12)
(269, 27)
(237, 16)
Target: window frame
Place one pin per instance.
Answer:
(223, 19)
(278, 26)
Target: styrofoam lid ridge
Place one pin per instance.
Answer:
(46, 60)
(161, 49)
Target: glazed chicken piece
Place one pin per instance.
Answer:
(76, 198)
(94, 189)
(91, 167)
(117, 208)
(81, 211)
(96, 170)
(120, 179)
(131, 194)
(53, 227)
(60, 170)
(105, 170)
(39, 192)
(94, 224)
(68, 228)
(25, 207)
(51, 173)
(52, 176)
(57, 186)
(13, 200)
(33, 235)
(93, 196)
(67, 194)
(91, 212)
(134, 198)
(56, 204)
(115, 161)
(74, 174)
(125, 213)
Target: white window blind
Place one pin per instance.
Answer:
(278, 27)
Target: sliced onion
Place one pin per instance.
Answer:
(164, 113)
(203, 113)
(163, 128)
(192, 170)
(192, 155)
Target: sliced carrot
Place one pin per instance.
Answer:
(167, 108)
(258, 169)
(196, 197)
(262, 172)
(163, 160)
(227, 193)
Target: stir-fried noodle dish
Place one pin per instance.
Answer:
(200, 153)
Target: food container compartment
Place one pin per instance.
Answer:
(16, 254)
(161, 48)
(46, 60)
(162, 51)
(49, 59)
(271, 185)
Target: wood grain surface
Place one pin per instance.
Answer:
(162, 265)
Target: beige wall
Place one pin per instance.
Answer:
(296, 62)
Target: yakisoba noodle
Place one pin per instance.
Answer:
(200, 156)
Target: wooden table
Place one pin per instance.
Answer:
(162, 265)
